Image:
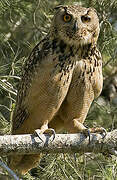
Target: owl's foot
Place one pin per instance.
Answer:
(101, 130)
(48, 131)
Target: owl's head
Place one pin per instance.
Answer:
(75, 25)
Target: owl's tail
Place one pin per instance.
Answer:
(22, 164)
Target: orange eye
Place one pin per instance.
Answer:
(85, 19)
(67, 18)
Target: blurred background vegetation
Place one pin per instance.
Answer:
(22, 25)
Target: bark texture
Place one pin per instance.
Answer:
(67, 143)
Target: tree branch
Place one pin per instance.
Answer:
(67, 143)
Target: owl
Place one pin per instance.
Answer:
(60, 79)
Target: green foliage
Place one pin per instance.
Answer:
(22, 25)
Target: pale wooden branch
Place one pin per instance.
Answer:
(63, 143)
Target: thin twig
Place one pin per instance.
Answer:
(34, 17)
(4, 166)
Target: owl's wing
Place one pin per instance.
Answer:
(21, 113)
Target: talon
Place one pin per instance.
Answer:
(104, 131)
(86, 132)
(89, 135)
(50, 131)
(38, 132)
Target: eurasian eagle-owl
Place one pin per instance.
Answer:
(61, 78)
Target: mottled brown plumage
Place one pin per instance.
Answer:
(61, 78)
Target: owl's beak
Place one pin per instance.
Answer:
(75, 27)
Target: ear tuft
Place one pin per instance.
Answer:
(60, 6)
(92, 9)
(57, 7)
